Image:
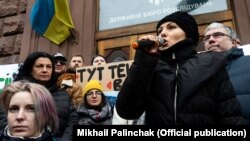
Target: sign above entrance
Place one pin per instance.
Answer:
(120, 13)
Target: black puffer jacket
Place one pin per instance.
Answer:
(3, 120)
(238, 67)
(66, 112)
(187, 89)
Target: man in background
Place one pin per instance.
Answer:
(67, 81)
(76, 61)
(218, 37)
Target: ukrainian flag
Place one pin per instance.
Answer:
(51, 19)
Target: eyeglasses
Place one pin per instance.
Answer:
(215, 35)
(60, 62)
(91, 93)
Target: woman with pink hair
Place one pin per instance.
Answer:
(31, 112)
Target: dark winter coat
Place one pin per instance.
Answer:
(180, 87)
(3, 119)
(238, 68)
(66, 112)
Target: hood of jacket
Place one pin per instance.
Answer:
(234, 53)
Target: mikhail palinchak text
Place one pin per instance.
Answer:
(115, 132)
(159, 133)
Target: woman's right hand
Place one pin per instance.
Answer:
(154, 48)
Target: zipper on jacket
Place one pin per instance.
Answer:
(175, 95)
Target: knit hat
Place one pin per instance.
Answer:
(92, 84)
(185, 21)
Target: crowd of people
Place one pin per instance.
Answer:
(168, 84)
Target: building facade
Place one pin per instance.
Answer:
(108, 27)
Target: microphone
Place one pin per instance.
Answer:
(147, 44)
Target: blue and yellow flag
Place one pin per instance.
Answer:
(51, 19)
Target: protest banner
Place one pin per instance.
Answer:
(6, 74)
(111, 75)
